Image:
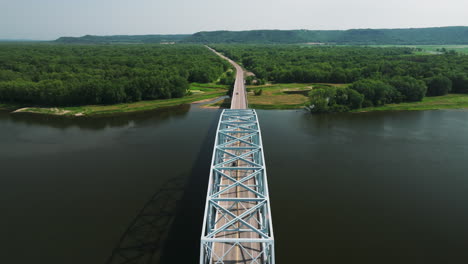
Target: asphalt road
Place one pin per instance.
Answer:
(239, 96)
(248, 252)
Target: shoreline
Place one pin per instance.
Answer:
(444, 102)
(102, 110)
(214, 100)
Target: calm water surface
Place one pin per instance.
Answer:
(348, 188)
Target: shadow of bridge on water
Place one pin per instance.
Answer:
(168, 228)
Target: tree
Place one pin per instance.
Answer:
(112, 94)
(438, 85)
(338, 75)
(227, 80)
(249, 80)
(132, 92)
(412, 90)
(75, 75)
(321, 100)
(355, 99)
(334, 99)
(376, 92)
(179, 86)
(260, 82)
(459, 83)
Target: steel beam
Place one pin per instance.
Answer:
(237, 225)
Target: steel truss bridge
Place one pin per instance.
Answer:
(237, 223)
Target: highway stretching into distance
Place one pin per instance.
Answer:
(238, 170)
(239, 95)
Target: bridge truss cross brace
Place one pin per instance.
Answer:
(237, 223)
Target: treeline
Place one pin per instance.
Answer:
(370, 92)
(378, 75)
(365, 93)
(59, 75)
(408, 36)
(332, 64)
(121, 39)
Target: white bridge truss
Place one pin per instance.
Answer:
(237, 223)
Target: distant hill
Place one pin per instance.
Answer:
(123, 39)
(20, 40)
(411, 36)
(429, 36)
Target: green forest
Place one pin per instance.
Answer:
(67, 75)
(74, 75)
(377, 76)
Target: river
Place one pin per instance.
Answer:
(388, 187)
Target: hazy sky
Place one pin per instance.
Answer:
(49, 19)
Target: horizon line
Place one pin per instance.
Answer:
(225, 30)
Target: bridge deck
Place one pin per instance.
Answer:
(237, 225)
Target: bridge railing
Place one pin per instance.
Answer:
(246, 97)
(237, 222)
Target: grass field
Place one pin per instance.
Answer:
(457, 48)
(206, 87)
(431, 49)
(450, 101)
(278, 96)
(210, 91)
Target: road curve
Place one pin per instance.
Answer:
(239, 95)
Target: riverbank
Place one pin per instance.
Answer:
(93, 110)
(449, 101)
(295, 95)
(279, 96)
(274, 97)
(9, 107)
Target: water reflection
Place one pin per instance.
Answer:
(98, 122)
(384, 187)
(78, 185)
(171, 221)
(184, 234)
